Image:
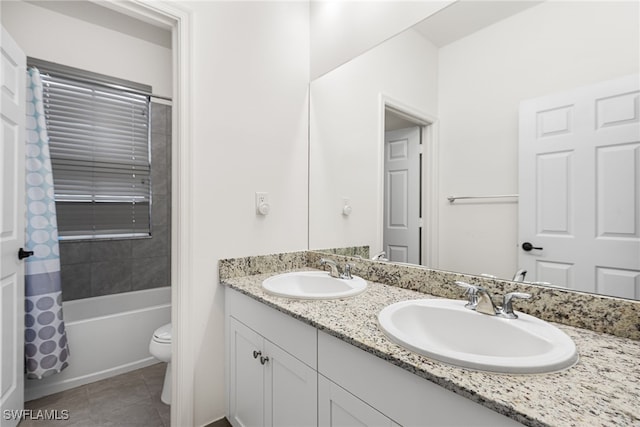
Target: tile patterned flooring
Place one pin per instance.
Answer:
(127, 400)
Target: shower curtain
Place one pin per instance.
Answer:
(46, 348)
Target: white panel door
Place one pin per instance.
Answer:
(339, 408)
(401, 234)
(580, 188)
(290, 390)
(246, 387)
(12, 116)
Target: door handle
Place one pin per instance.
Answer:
(24, 254)
(526, 246)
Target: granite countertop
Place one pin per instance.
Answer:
(603, 389)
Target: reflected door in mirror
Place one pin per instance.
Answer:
(401, 234)
(582, 207)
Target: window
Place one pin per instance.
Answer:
(99, 141)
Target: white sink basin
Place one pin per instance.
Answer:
(313, 285)
(445, 330)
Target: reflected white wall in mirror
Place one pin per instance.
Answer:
(341, 30)
(346, 151)
(473, 86)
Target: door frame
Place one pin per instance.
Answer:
(429, 171)
(178, 19)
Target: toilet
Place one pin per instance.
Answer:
(160, 348)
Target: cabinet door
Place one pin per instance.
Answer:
(337, 407)
(291, 390)
(246, 379)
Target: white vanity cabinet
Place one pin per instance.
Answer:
(271, 359)
(283, 372)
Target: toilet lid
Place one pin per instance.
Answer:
(163, 334)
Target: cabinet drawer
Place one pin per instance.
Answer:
(293, 336)
(339, 408)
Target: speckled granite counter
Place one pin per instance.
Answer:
(603, 389)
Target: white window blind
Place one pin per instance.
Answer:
(99, 143)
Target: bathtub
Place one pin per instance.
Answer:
(107, 335)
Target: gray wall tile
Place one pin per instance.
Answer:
(107, 250)
(75, 252)
(169, 120)
(157, 245)
(110, 277)
(159, 147)
(76, 281)
(160, 116)
(150, 273)
(160, 177)
(160, 211)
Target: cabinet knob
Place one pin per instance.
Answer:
(264, 360)
(256, 354)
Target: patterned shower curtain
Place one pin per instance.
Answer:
(46, 348)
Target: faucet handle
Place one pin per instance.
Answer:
(507, 307)
(471, 291)
(347, 271)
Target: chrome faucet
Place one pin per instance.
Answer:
(381, 256)
(519, 276)
(480, 300)
(335, 272)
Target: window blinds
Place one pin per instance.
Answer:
(99, 143)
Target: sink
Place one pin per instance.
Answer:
(445, 330)
(313, 285)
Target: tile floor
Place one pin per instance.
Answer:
(127, 400)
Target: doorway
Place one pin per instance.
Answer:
(409, 211)
(177, 20)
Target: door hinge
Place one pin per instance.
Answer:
(420, 222)
(421, 149)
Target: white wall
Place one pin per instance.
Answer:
(346, 140)
(482, 78)
(66, 40)
(250, 84)
(343, 30)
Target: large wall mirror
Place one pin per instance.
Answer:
(465, 133)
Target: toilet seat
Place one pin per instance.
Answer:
(162, 335)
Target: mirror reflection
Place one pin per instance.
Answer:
(511, 150)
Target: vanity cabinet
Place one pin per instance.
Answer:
(283, 372)
(267, 385)
(271, 366)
